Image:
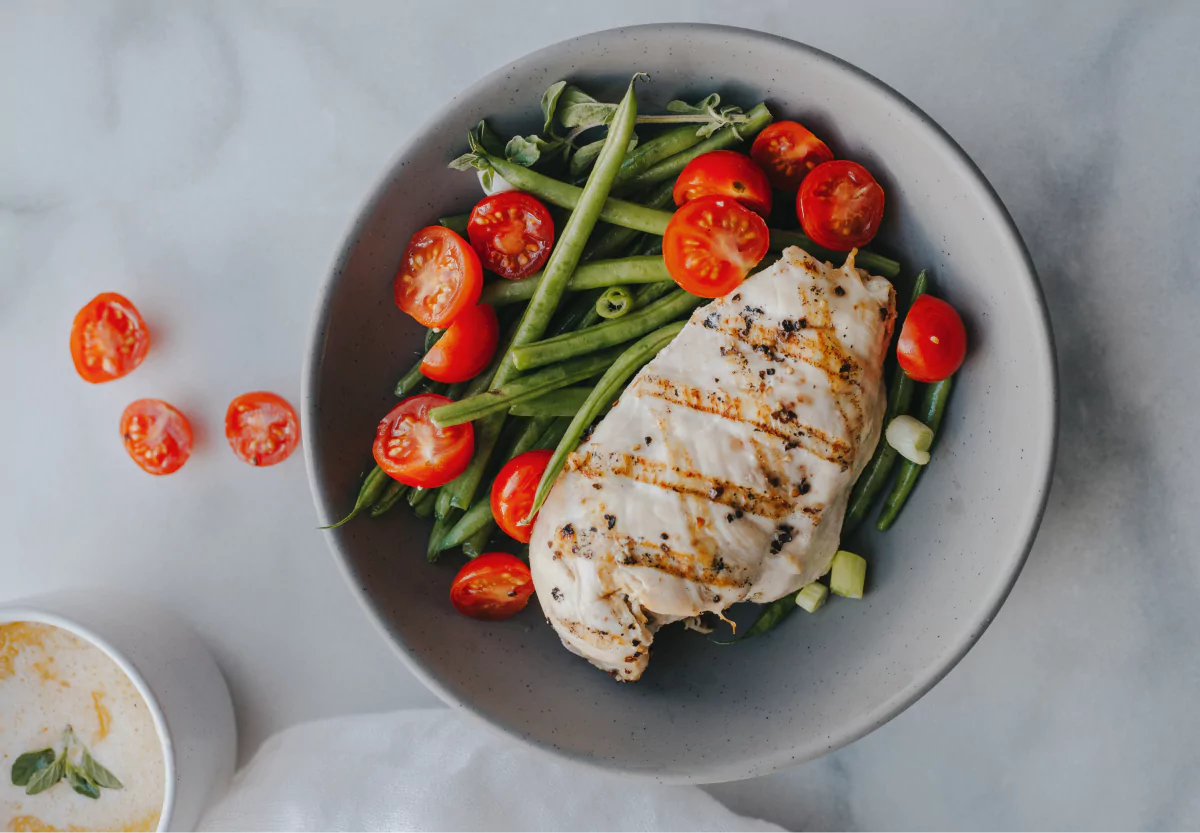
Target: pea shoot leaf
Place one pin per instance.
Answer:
(550, 104)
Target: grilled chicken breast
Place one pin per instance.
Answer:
(723, 473)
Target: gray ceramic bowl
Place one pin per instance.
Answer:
(705, 713)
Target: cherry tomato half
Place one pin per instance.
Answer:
(840, 205)
(512, 233)
(411, 449)
(157, 436)
(262, 428)
(712, 243)
(513, 491)
(465, 348)
(493, 586)
(439, 277)
(787, 151)
(108, 338)
(933, 340)
(724, 173)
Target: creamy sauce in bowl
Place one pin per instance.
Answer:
(60, 692)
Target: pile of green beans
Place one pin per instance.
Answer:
(601, 308)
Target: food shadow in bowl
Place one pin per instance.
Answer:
(704, 712)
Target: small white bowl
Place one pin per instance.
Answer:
(176, 676)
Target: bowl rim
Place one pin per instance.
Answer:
(861, 725)
(22, 612)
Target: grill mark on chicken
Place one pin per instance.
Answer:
(814, 343)
(697, 567)
(781, 424)
(774, 504)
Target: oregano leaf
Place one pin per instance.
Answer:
(80, 782)
(29, 764)
(98, 773)
(44, 779)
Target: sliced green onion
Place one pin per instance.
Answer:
(812, 596)
(848, 575)
(911, 438)
(615, 302)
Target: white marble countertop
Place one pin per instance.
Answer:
(206, 159)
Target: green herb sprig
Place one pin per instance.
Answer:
(39, 771)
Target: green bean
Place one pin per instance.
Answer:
(614, 303)
(933, 408)
(650, 293)
(570, 314)
(487, 435)
(554, 433)
(772, 613)
(595, 275)
(479, 516)
(611, 241)
(480, 523)
(557, 403)
(422, 501)
(476, 545)
(410, 380)
(629, 363)
(757, 118)
(651, 152)
(457, 223)
(474, 519)
(583, 342)
(529, 436)
(523, 387)
(872, 262)
(442, 506)
(390, 497)
(372, 487)
(455, 391)
(877, 472)
(440, 527)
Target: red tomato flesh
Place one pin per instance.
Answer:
(411, 449)
(724, 173)
(465, 348)
(439, 277)
(787, 151)
(933, 340)
(840, 205)
(513, 491)
(157, 436)
(712, 243)
(493, 586)
(108, 338)
(262, 428)
(512, 233)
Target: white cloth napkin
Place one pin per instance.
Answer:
(431, 769)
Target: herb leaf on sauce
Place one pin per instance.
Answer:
(29, 764)
(41, 770)
(46, 778)
(80, 782)
(98, 773)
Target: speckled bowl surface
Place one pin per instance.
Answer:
(706, 713)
